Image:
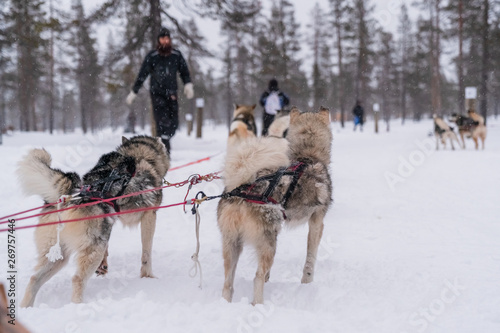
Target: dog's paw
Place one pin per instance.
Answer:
(101, 270)
(147, 274)
(307, 277)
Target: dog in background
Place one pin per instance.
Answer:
(470, 128)
(244, 221)
(443, 131)
(280, 124)
(243, 125)
(87, 239)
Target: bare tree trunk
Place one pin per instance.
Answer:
(340, 82)
(485, 61)
(461, 85)
(51, 75)
(435, 55)
(155, 17)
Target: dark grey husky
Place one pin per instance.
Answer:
(88, 239)
(137, 164)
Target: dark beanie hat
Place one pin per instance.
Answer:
(273, 84)
(164, 32)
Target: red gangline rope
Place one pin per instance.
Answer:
(191, 180)
(194, 162)
(55, 203)
(97, 216)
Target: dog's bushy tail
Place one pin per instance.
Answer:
(36, 177)
(252, 155)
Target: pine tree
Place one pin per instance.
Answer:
(405, 28)
(87, 69)
(339, 10)
(364, 51)
(27, 19)
(322, 67)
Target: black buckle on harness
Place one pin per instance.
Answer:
(93, 191)
(245, 191)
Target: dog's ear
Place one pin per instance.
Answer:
(124, 140)
(324, 115)
(294, 114)
(254, 106)
(236, 106)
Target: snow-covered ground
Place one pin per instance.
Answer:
(410, 245)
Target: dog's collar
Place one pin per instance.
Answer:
(250, 126)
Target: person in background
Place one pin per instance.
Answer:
(358, 113)
(272, 100)
(163, 64)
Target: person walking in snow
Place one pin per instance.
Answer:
(358, 113)
(272, 100)
(163, 64)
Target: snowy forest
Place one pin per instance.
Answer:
(54, 75)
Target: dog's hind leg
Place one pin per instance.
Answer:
(148, 225)
(44, 270)
(463, 139)
(313, 240)
(103, 267)
(87, 262)
(231, 250)
(265, 252)
(450, 137)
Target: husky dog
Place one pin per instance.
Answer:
(443, 132)
(152, 162)
(88, 239)
(243, 125)
(280, 124)
(305, 196)
(470, 128)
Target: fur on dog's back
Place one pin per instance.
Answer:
(307, 139)
(441, 124)
(38, 178)
(242, 164)
(279, 126)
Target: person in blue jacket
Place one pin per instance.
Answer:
(272, 100)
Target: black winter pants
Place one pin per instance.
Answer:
(166, 114)
(267, 120)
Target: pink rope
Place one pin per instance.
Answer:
(210, 176)
(98, 216)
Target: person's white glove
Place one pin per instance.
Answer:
(130, 98)
(188, 90)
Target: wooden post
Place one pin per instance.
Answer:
(376, 109)
(189, 122)
(200, 102)
(470, 98)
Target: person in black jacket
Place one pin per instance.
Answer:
(272, 100)
(359, 113)
(163, 64)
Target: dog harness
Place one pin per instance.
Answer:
(247, 191)
(99, 189)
